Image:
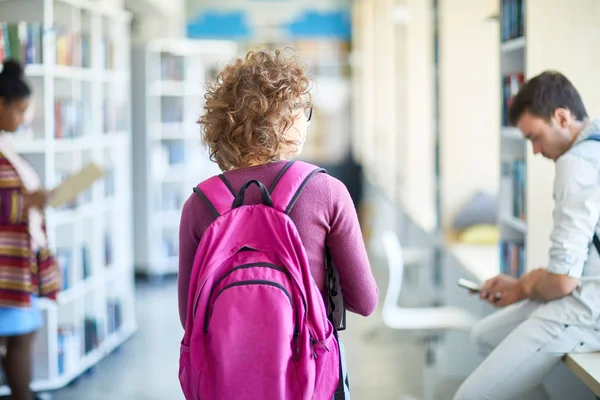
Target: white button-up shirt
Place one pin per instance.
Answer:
(576, 217)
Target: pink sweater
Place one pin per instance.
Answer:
(324, 215)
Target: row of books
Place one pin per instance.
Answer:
(21, 41)
(519, 189)
(114, 116)
(171, 109)
(70, 342)
(511, 83)
(108, 249)
(171, 67)
(75, 49)
(24, 41)
(72, 49)
(170, 200)
(69, 349)
(92, 334)
(64, 258)
(114, 316)
(513, 17)
(516, 173)
(512, 258)
(109, 182)
(170, 154)
(169, 248)
(71, 339)
(73, 118)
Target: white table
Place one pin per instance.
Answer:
(586, 366)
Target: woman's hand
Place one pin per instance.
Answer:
(37, 199)
(510, 290)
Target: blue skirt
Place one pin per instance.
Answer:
(20, 321)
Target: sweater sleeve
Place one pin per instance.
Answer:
(349, 254)
(188, 243)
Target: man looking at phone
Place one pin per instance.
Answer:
(551, 311)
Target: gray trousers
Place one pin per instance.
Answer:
(344, 370)
(520, 352)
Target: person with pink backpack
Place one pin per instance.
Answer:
(258, 244)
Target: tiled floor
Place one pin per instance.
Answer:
(383, 364)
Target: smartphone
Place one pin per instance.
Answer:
(474, 287)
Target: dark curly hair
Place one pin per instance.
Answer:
(250, 106)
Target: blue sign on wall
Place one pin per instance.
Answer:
(322, 24)
(219, 25)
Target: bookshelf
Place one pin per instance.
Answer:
(529, 30)
(78, 65)
(512, 212)
(169, 160)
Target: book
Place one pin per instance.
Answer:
(21, 41)
(68, 190)
(512, 258)
(519, 189)
(513, 17)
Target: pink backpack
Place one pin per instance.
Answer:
(257, 326)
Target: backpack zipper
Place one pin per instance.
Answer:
(244, 266)
(313, 341)
(247, 283)
(296, 335)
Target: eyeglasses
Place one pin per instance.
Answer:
(308, 113)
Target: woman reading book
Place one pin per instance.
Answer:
(27, 269)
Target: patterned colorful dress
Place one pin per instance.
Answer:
(25, 274)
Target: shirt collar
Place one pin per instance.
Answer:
(591, 128)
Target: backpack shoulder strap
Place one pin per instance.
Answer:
(290, 183)
(596, 240)
(217, 193)
(285, 191)
(595, 137)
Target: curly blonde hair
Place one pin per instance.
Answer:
(250, 107)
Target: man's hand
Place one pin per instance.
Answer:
(510, 289)
(37, 199)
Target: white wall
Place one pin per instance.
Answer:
(156, 19)
(470, 102)
(417, 191)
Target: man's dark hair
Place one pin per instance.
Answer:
(543, 94)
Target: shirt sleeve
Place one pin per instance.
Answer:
(11, 206)
(349, 254)
(576, 214)
(188, 243)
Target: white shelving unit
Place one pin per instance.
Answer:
(169, 160)
(513, 180)
(80, 80)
